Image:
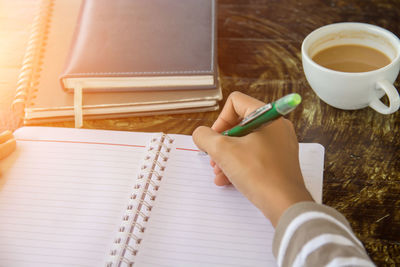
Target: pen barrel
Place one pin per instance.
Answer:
(254, 124)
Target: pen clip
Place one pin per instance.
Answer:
(255, 114)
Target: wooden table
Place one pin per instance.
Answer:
(259, 54)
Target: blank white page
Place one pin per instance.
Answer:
(63, 192)
(196, 223)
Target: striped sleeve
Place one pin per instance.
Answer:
(310, 234)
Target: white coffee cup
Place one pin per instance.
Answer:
(353, 90)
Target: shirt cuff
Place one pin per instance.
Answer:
(295, 210)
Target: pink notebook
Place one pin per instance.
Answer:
(77, 197)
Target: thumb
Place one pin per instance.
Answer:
(205, 138)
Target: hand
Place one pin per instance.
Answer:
(7, 144)
(264, 165)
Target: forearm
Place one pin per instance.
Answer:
(309, 234)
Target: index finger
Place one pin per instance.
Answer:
(237, 106)
(6, 135)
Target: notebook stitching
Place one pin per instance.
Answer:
(169, 72)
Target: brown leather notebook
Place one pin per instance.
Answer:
(125, 45)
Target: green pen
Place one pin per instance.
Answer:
(265, 114)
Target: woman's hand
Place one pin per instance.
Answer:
(263, 165)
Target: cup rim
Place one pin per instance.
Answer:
(391, 36)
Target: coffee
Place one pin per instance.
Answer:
(353, 86)
(351, 58)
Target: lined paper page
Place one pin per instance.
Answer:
(62, 194)
(195, 223)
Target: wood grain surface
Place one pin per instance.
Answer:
(259, 54)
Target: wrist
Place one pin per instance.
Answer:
(275, 203)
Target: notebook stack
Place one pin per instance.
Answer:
(111, 59)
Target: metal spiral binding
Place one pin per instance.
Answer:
(27, 84)
(140, 204)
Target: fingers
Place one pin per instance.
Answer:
(212, 163)
(7, 148)
(7, 144)
(220, 178)
(205, 139)
(289, 125)
(6, 135)
(237, 106)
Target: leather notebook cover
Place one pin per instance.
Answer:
(143, 45)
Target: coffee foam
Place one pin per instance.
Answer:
(358, 37)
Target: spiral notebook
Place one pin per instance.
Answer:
(73, 197)
(39, 97)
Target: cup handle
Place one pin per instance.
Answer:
(392, 94)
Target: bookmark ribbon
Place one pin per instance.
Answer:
(78, 107)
